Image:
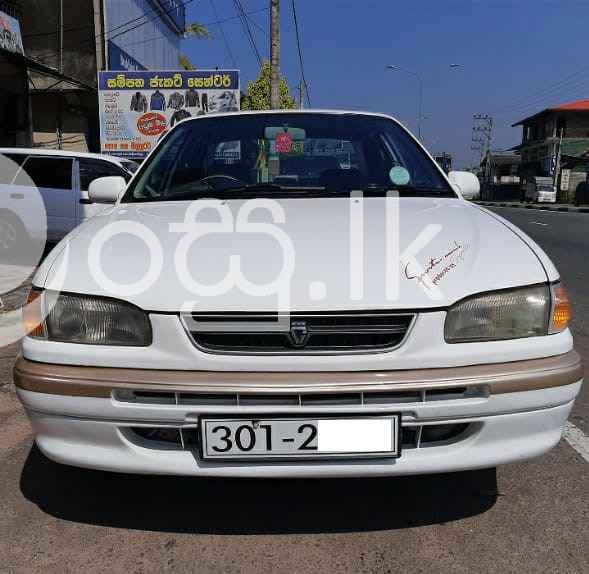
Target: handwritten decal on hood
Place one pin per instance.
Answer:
(436, 268)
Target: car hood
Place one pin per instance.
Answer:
(460, 249)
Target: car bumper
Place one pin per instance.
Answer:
(83, 416)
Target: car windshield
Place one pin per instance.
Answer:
(288, 155)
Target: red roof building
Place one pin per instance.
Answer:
(541, 141)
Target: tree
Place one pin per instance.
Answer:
(185, 62)
(196, 30)
(193, 30)
(258, 92)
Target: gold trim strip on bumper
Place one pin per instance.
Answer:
(528, 375)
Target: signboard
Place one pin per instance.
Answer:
(10, 36)
(565, 178)
(118, 59)
(138, 107)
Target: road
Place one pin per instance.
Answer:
(529, 517)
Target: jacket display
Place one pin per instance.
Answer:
(179, 115)
(157, 101)
(176, 101)
(192, 98)
(138, 103)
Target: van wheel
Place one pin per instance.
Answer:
(12, 233)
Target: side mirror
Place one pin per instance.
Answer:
(465, 183)
(106, 189)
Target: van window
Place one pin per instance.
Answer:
(8, 173)
(17, 158)
(47, 172)
(91, 169)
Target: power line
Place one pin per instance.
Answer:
(298, 36)
(534, 98)
(227, 46)
(103, 34)
(230, 18)
(147, 21)
(217, 22)
(248, 31)
(248, 15)
(77, 28)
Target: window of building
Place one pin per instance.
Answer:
(561, 127)
(91, 169)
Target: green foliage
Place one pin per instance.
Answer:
(193, 30)
(185, 63)
(258, 92)
(196, 30)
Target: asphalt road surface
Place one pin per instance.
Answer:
(530, 517)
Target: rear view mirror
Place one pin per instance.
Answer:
(465, 183)
(106, 189)
(296, 134)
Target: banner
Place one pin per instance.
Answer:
(10, 36)
(138, 107)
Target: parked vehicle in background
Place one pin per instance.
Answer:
(582, 193)
(62, 178)
(540, 190)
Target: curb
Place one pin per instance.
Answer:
(559, 208)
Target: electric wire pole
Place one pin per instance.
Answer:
(482, 134)
(275, 54)
(301, 94)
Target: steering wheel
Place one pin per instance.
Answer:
(223, 180)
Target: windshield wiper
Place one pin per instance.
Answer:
(409, 190)
(253, 187)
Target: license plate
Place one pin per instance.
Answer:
(285, 438)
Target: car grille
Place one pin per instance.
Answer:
(367, 398)
(413, 436)
(299, 333)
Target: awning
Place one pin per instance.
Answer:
(39, 67)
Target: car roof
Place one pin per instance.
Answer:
(295, 111)
(60, 153)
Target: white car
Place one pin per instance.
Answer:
(349, 321)
(540, 190)
(62, 179)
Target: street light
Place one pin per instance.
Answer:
(396, 68)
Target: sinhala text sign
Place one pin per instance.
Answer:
(137, 108)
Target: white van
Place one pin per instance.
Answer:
(62, 179)
(540, 190)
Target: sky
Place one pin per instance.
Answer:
(517, 57)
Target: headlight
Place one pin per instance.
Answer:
(513, 314)
(92, 321)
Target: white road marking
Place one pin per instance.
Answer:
(539, 223)
(577, 439)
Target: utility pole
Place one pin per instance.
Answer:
(275, 54)
(558, 160)
(482, 134)
(61, 36)
(301, 97)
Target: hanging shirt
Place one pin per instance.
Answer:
(157, 102)
(192, 99)
(178, 116)
(138, 102)
(176, 101)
